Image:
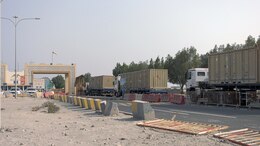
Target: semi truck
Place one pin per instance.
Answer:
(195, 77)
(101, 86)
(141, 82)
(236, 71)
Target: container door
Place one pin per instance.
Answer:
(222, 68)
(238, 66)
(227, 68)
(245, 66)
(252, 66)
(213, 67)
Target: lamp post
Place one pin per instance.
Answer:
(15, 23)
(52, 53)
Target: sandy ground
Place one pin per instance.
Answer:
(73, 126)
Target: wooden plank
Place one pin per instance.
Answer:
(245, 137)
(182, 126)
(223, 133)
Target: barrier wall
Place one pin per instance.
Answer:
(165, 97)
(49, 94)
(151, 97)
(91, 104)
(177, 98)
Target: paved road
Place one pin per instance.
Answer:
(235, 118)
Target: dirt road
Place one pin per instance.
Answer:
(72, 126)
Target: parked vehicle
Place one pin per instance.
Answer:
(18, 90)
(30, 91)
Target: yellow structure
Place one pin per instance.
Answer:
(75, 100)
(91, 104)
(79, 101)
(85, 103)
(25, 78)
(68, 70)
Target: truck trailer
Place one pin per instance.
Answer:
(235, 74)
(143, 81)
(101, 86)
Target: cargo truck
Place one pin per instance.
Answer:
(238, 69)
(141, 82)
(101, 86)
(233, 71)
(195, 77)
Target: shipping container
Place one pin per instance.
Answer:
(238, 67)
(101, 82)
(145, 79)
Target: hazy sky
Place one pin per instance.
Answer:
(96, 34)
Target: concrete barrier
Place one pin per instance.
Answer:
(165, 97)
(55, 96)
(38, 95)
(70, 99)
(60, 98)
(79, 101)
(178, 99)
(82, 102)
(138, 96)
(91, 104)
(49, 94)
(103, 106)
(142, 110)
(131, 97)
(111, 109)
(64, 98)
(97, 105)
(151, 97)
(67, 99)
(85, 103)
(75, 100)
(126, 96)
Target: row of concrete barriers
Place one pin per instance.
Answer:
(141, 110)
(172, 98)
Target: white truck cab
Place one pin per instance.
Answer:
(196, 75)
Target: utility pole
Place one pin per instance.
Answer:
(52, 53)
(15, 23)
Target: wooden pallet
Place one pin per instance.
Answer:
(244, 137)
(183, 127)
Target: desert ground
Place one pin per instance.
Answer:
(72, 126)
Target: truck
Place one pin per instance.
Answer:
(141, 82)
(101, 86)
(195, 77)
(234, 72)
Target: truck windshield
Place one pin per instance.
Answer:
(201, 73)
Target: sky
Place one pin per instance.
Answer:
(96, 34)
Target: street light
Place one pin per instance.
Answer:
(52, 53)
(15, 23)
